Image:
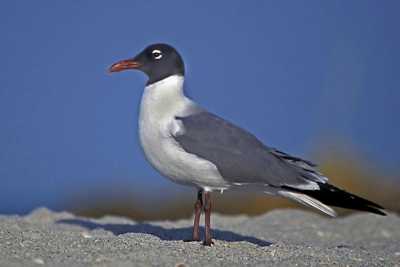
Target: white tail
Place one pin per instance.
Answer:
(308, 201)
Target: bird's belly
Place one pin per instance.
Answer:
(165, 154)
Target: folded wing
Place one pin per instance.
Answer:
(240, 157)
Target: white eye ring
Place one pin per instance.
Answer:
(156, 54)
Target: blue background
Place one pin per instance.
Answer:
(295, 73)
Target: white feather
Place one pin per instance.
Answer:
(308, 201)
(310, 185)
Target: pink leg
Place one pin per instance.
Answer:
(207, 210)
(197, 212)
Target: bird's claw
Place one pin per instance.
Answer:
(208, 243)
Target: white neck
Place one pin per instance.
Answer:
(171, 86)
(164, 98)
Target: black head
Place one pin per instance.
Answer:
(158, 61)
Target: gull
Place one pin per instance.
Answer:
(194, 147)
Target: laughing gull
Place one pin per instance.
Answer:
(192, 146)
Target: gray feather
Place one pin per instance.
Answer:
(240, 157)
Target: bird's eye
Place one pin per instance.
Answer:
(156, 54)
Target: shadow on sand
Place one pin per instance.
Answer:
(163, 233)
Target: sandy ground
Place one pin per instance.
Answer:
(279, 238)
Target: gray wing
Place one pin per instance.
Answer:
(240, 157)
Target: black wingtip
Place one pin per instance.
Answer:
(334, 196)
(379, 212)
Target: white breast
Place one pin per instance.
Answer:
(161, 102)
